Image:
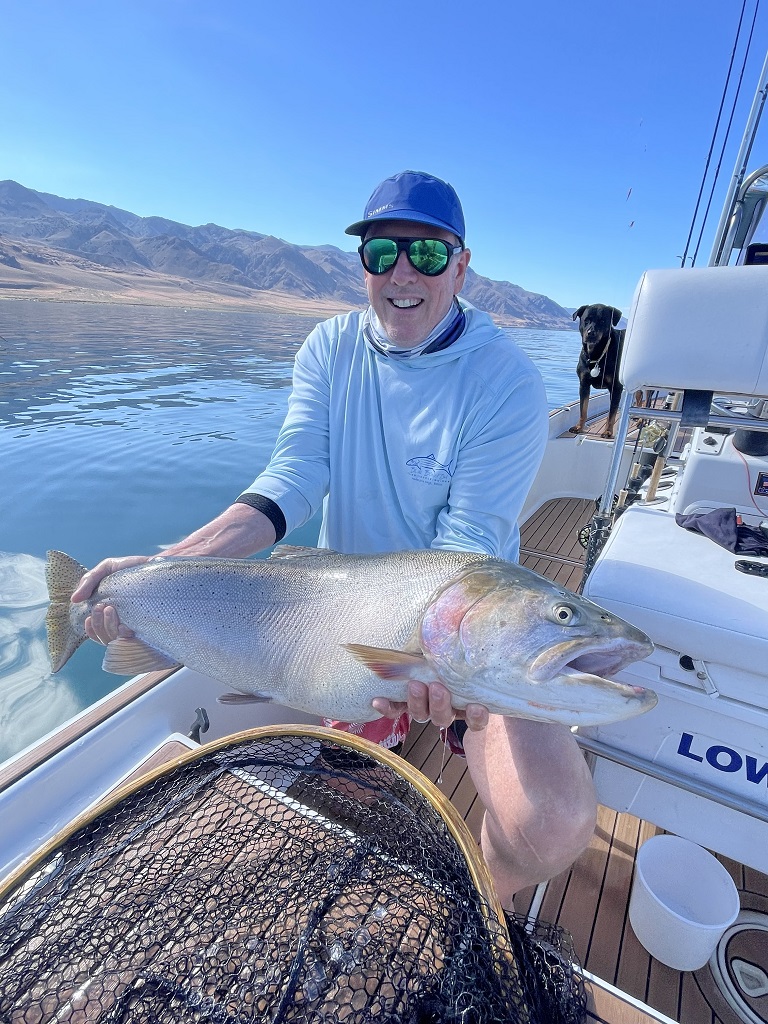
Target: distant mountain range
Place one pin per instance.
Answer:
(77, 249)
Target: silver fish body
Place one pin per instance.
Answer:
(325, 633)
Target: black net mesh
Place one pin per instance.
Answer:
(279, 878)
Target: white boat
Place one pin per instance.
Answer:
(697, 765)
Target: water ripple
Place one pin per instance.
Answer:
(31, 702)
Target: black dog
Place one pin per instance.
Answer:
(598, 360)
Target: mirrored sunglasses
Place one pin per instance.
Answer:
(429, 256)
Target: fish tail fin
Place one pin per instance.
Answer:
(62, 575)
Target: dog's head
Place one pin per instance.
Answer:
(595, 324)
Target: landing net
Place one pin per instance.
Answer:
(283, 875)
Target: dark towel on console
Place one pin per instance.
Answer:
(721, 526)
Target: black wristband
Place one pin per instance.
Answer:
(272, 511)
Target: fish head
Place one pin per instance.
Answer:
(503, 636)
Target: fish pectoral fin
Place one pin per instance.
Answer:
(127, 656)
(389, 664)
(243, 698)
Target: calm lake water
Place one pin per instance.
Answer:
(123, 428)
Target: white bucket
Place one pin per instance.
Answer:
(682, 901)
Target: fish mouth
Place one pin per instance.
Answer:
(602, 658)
(588, 668)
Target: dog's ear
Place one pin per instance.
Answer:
(616, 316)
(579, 311)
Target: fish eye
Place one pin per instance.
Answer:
(564, 614)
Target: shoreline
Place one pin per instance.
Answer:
(258, 302)
(274, 303)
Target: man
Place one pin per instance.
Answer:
(417, 423)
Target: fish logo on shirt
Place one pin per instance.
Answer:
(427, 469)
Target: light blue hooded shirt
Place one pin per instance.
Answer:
(432, 451)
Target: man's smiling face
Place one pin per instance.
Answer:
(410, 305)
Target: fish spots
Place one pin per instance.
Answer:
(328, 633)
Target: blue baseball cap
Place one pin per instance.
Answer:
(416, 196)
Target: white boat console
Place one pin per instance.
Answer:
(697, 764)
(710, 671)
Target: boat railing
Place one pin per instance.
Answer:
(678, 416)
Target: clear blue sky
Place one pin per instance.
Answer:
(575, 132)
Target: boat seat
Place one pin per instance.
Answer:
(683, 590)
(700, 329)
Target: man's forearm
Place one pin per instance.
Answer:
(238, 532)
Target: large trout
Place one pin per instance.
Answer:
(326, 633)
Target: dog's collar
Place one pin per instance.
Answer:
(595, 369)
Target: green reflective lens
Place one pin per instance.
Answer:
(429, 256)
(380, 255)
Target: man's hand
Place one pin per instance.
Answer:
(238, 532)
(103, 624)
(433, 702)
